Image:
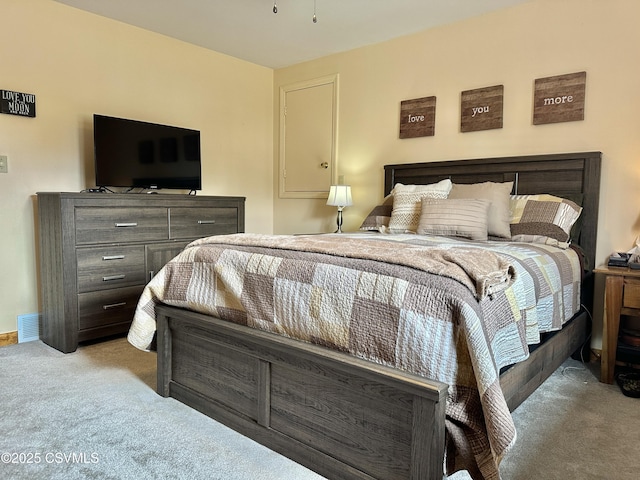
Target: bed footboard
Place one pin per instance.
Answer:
(339, 416)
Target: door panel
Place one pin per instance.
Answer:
(307, 139)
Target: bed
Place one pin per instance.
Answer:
(347, 417)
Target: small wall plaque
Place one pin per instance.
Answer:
(481, 109)
(418, 117)
(16, 103)
(559, 99)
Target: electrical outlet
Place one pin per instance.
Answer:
(4, 164)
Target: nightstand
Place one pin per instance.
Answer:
(621, 297)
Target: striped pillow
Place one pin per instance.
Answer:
(542, 219)
(457, 217)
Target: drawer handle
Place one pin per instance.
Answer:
(132, 224)
(112, 277)
(113, 257)
(206, 222)
(114, 305)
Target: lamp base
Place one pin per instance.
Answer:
(339, 221)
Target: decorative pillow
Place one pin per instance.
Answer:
(498, 194)
(405, 215)
(543, 219)
(576, 198)
(459, 217)
(378, 218)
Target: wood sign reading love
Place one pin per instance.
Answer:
(418, 117)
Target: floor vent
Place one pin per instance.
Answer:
(28, 327)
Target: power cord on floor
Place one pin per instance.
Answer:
(582, 347)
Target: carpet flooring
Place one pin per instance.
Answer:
(94, 414)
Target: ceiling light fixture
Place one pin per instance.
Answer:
(315, 18)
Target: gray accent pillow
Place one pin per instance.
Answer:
(498, 194)
(378, 218)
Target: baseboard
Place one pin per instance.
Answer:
(8, 338)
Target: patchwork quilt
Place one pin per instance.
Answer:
(448, 309)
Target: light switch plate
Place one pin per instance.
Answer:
(4, 164)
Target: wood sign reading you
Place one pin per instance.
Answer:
(418, 117)
(481, 109)
(559, 99)
(16, 103)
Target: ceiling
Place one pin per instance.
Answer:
(249, 30)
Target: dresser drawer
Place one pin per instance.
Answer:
(120, 224)
(107, 307)
(631, 293)
(102, 268)
(197, 222)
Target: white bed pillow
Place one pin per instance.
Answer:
(498, 194)
(441, 187)
(458, 217)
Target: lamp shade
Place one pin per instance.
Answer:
(340, 196)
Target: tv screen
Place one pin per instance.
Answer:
(135, 154)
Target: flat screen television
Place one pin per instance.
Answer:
(135, 154)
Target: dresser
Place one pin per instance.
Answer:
(98, 251)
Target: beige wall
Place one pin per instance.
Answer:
(78, 64)
(512, 47)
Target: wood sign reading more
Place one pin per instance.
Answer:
(559, 99)
(481, 109)
(16, 103)
(418, 117)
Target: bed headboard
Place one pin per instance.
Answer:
(569, 175)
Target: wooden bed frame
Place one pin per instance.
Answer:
(340, 416)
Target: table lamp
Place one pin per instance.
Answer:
(340, 196)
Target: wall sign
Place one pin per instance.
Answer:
(481, 109)
(559, 99)
(418, 117)
(16, 103)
